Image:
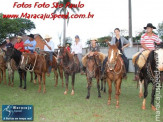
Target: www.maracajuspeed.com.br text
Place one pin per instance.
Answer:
(48, 16)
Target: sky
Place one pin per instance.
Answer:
(108, 15)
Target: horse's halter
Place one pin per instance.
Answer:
(114, 63)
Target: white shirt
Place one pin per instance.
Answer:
(50, 44)
(77, 48)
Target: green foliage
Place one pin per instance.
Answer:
(101, 41)
(13, 27)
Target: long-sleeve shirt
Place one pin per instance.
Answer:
(30, 42)
(50, 44)
(77, 48)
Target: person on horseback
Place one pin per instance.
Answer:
(123, 43)
(147, 42)
(49, 47)
(94, 49)
(19, 45)
(77, 50)
(30, 43)
(8, 43)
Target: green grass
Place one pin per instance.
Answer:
(54, 106)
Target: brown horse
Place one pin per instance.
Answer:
(36, 63)
(2, 67)
(55, 66)
(70, 65)
(114, 70)
(93, 71)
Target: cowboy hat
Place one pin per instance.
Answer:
(19, 37)
(94, 39)
(31, 35)
(47, 37)
(150, 25)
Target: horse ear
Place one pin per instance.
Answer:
(117, 44)
(109, 44)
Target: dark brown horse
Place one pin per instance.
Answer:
(93, 71)
(114, 70)
(36, 63)
(70, 65)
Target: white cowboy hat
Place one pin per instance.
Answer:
(94, 39)
(19, 37)
(47, 37)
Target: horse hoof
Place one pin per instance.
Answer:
(65, 92)
(109, 102)
(140, 95)
(34, 81)
(55, 85)
(44, 92)
(39, 91)
(117, 106)
(5, 83)
(99, 96)
(72, 93)
(143, 107)
(87, 97)
(153, 108)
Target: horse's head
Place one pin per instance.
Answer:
(9, 53)
(90, 65)
(62, 51)
(113, 54)
(25, 60)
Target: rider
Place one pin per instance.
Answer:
(30, 43)
(19, 45)
(123, 43)
(8, 43)
(147, 42)
(49, 47)
(77, 50)
(94, 50)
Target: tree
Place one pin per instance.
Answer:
(160, 30)
(64, 10)
(14, 27)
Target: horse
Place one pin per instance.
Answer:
(35, 63)
(14, 54)
(114, 71)
(2, 67)
(93, 71)
(150, 73)
(70, 65)
(55, 66)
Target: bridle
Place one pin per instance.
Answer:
(114, 64)
(27, 68)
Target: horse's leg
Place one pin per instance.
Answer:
(35, 78)
(9, 76)
(67, 79)
(20, 76)
(12, 76)
(25, 74)
(89, 80)
(73, 82)
(110, 90)
(118, 83)
(145, 93)
(152, 97)
(102, 81)
(56, 77)
(141, 88)
(43, 79)
(98, 86)
(31, 77)
(61, 74)
(4, 75)
(0, 75)
(39, 81)
(104, 85)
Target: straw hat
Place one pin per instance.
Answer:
(94, 39)
(19, 37)
(47, 37)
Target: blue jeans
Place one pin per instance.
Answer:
(51, 59)
(31, 51)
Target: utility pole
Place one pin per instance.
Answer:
(130, 22)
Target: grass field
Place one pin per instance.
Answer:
(54, 106)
